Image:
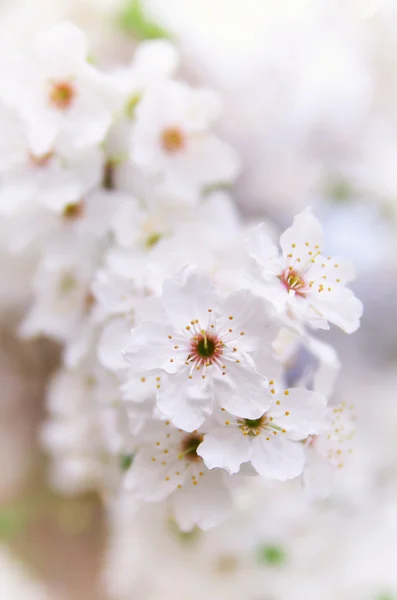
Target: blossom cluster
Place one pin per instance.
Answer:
(188, 355)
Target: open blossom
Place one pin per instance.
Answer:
(171, 138)
(330, 450)
(49, 180)
(168, 464)
(302, 283)
(61, 295)
(269, 442)
(64, 101)
(202, 350)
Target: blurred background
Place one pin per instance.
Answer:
(309, 89)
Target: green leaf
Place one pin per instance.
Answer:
(136, 23)
(272, 555)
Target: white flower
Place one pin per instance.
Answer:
(86, 431)
(65, 102)
(51, 180)
(61, 296)
(302, 283)
(269, 442)
(168, 464)
(171, 138)
(201, 350)
(329, 451)
(81, 223)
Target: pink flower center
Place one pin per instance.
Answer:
(292, 280)
(40, 160)
(205, 348)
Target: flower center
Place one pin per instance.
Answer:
(62, 94)
(67, 284)
(172, 140)
(40, 160)
(205, 348)
(291, 280)
(252, 427)
(73, 210)
(189, 446)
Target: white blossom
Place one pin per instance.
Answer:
(168, 464)
(270, 442)
(202, 351)
(171, 138)
(65, 102)
(302, 283)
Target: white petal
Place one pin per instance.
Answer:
(156, 59)
(206, 160)
(187, 402)
(127, 223)
(248, 316)
(188, 296)
(204, 505)
(261, 248)
(58, 187)
(306, 228)
(341, 307)
(307, 412)
(146, 479)
(329, 367)
(113, 339)
(242, 391)
(149, 348)
(276, 457)
(62, 45)
(226, 447)
(17, 189)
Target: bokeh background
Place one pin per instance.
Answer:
(310, 103)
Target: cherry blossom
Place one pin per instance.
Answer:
(65, 102)
(168, 464)
(202, 351)
(270, 442)
(302, 283)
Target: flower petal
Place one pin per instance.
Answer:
(261, 248)
(276, 457)
(150, 348)
(204, 505)
(226, 448)
(245, 314)
(242, 391)
(187, 402)
(188, 296)
(111, 343)
(301, 412)
(306, 229)
(146, 479)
